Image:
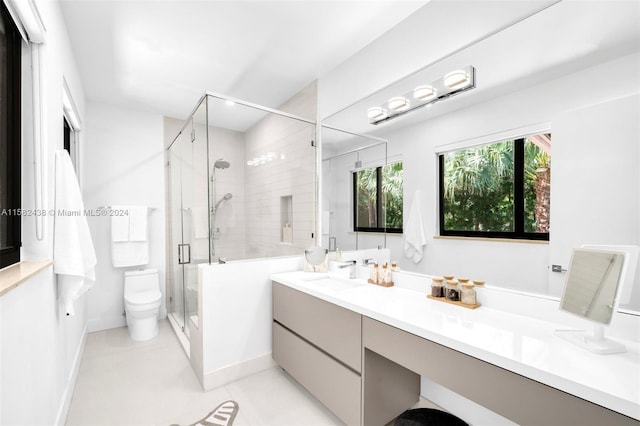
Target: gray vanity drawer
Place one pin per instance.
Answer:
(335, 330)
(336, 386)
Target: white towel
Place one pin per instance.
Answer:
(134, 250)
(138, 223)
(73, 252)
(129, 253)
(119, 224)
(414, 239)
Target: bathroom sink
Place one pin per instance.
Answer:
(335, 284)
(312, 276)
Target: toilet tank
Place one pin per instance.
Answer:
(142, 280)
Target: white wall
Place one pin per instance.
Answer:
(40, 347)
(234, 335)
(597, 148)
(124, 165)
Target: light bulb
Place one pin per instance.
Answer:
(456, 79)
(424, 93)
(399, 104)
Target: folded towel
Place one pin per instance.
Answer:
(138, 223)
(134, 249)
(120, 224)
(73, 251)
(414, 239)
(129, 253)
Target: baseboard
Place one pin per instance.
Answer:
(100, 324)
(67, 395)
(237, 371)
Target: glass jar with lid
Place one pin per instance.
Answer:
(468, 294)
(437, 288)
(451, 291)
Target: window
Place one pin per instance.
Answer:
(70, 142)
(10, 66)
(377, 199)
(500, 190)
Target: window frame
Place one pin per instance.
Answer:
(10, 254)
(379, 202)
(518, 232)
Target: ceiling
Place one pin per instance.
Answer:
(160, 56)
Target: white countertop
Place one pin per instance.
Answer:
(520, 344)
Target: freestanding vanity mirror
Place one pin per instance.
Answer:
(591, 292)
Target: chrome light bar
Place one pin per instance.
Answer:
(454, 82)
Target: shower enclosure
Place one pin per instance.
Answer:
(242, 184)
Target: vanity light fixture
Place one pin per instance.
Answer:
(399, 104)
(454, 82)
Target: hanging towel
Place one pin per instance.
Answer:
(414, 239)
(73, 252)
(119, 224)
(138, 223)
(134, 251)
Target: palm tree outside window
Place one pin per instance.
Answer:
(500, 190)
(378, 199)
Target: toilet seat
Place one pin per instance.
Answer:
(143, 299)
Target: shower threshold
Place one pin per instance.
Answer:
(182, 337)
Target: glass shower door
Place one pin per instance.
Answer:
(179, 165)
(189, 203)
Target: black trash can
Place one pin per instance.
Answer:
(428, 417)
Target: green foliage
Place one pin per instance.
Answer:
(390, 200)
(392, 190)
(478, 187)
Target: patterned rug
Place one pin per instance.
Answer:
(222, 415)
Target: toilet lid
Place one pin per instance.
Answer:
(143, 297)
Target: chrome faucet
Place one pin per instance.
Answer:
(351, 264)
(367, 262)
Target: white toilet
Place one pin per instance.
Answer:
(142, 303)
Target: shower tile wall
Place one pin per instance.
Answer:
(229, 224)
(290, 173)
(229, 227)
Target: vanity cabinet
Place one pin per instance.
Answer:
(518, 398)
(320, 345)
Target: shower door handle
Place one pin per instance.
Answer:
(184, 254)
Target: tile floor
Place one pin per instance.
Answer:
(122, 382)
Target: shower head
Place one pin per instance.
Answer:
(226, 197)
(221, 164)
